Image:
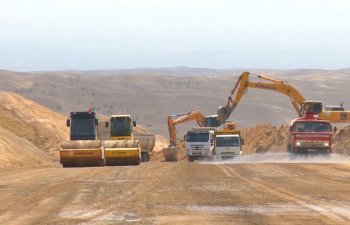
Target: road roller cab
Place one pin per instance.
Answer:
(83, 149)
(121, 148)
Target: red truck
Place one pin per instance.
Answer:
(310, 134)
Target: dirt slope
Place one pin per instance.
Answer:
(16, 151)
(341, 141)
(265, 138)
(26, 119)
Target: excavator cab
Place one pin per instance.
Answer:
(212, 121)
(314, 107)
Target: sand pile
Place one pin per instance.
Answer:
(16, 151)
(341, 141)
(26, 119)
(265, 138)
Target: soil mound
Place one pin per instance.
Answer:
(265, 138)
(341, 141)
(26, 119)
(16, 151)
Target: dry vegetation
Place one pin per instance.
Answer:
(151, 95)
(150, 98)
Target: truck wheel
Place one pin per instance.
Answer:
(145, 156)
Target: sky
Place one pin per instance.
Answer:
(124, 34)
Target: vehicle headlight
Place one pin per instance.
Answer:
(298, 143)
(326, 144)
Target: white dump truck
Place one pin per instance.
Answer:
(227, 144)
(200, 143)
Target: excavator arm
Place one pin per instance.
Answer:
(190, 116)
(244, 83)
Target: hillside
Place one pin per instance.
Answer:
(149, 95)
(26, 119)
(31, 134)
(16, 151)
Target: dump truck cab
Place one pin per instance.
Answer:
(309, 134)
(122, 148)
(83, 149)
(227, 144)
(199, 143)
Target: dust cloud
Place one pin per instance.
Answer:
(285, 158)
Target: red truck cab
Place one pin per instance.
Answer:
(310, 134)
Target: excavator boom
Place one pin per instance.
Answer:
(298, 101)
(244, 83)
(190, 116)
(170, 153)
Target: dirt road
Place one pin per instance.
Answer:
(178, 193)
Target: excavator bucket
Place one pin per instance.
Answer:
(82, 153)
(223, 112)
(122, 152)
(170, 153)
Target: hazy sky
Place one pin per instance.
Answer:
(112, 34)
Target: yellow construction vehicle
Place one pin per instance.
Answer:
(301, 106)
(121, 148)
(83, 149)
(170, 152)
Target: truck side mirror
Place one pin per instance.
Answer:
(96, 122)
(242, 141)
(290, 128)
(134, 123)
(107, 124)
(185, 137)
(68, 122)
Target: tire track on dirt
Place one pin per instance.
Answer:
(139, 180)
(288, 195)
(32, 201)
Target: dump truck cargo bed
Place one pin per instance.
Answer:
(147, 143)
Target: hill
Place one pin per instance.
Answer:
(150, 95)
(16, 151)
(29, 120)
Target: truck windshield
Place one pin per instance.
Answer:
(121, 126)
(305, 126)
(227, 141)
(197, 137)
(82, 127)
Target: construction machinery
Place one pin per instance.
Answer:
(122, 148)
(301, 106)
(199, 143)
(83, 149)
(310, 134)
(170, 152)
(147, 143)
(227, 144)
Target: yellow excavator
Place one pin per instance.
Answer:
(301, 106)
(122, 148)
(170, 152)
